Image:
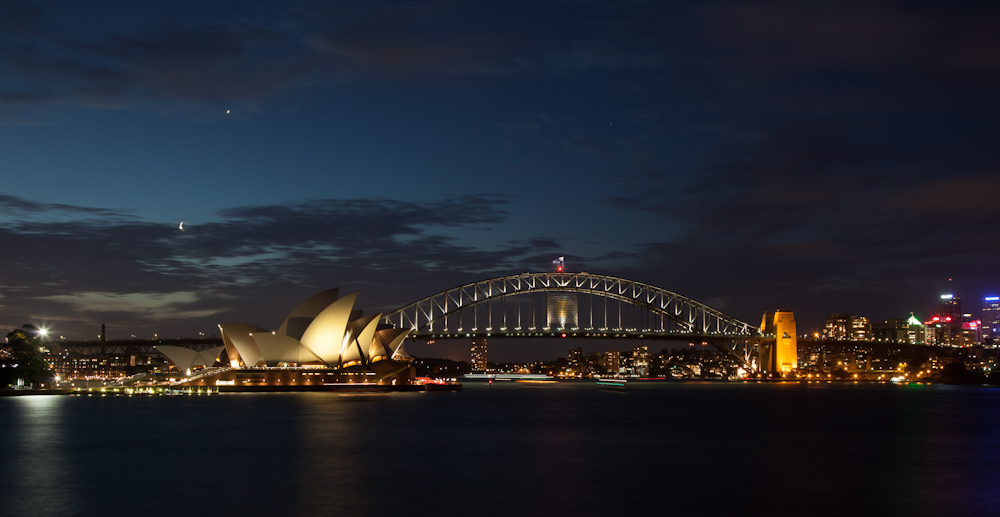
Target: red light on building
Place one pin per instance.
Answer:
(559, 269)
(564, 335)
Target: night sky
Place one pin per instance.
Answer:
(813, 156)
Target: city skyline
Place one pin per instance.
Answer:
(755, 157)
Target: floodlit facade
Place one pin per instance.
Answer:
(561, 311)
(324, 331)
(781, 355)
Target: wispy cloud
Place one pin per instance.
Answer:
(149, 273)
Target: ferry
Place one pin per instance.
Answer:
(615, 384)
(536, 377)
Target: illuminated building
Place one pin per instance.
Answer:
(891, 330)
(843, 327)
(89, 366)
(576, 359)
(860, 328)
(991, 316)
(612, 362)
(971, 332)
(918, 331)
(322, 333)
(479, 354)
(950, 326)
(640, 361)
(897, 330)
(950, 306)
(779, 348)
(561, 310)
(837, 326)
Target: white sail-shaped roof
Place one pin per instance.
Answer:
(183, 358)
(211, 355)
(301, 316)
(325, 335)
(299, 354)
(273, 346)
(239, 335)
(367, 336)
(353, 349)
(386, 342)
(276, 348)
(401, 355)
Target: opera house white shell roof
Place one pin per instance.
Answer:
(186, 358)
(320, 331)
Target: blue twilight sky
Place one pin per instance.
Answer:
(814, 156)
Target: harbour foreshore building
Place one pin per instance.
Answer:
(324, 340)
(845, 327)
(612, 362)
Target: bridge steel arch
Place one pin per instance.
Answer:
(691, 316)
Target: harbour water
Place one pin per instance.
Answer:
(511, 449)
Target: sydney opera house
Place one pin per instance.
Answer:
(323, 342)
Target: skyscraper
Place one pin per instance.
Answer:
(991, 316)
(479, 354)
(948, 322)
(950, 306)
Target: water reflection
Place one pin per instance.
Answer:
(36, 471)
(689, 449)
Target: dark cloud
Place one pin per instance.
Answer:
(144, 275)
(266, 54)
(755, 154)
(850, 60)
(782, 35)
(767, 185)
(810, 215)
(23, 206)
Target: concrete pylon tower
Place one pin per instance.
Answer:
(779, 351)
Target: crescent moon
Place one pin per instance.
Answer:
(181, 226)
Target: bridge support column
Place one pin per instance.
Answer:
(779, 346)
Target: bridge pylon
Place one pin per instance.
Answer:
(779, 345)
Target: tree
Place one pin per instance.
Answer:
(24, 358)
(956, 373)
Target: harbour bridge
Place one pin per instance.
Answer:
(580, 305)
(536, 305)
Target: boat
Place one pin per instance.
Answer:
(612, 384)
